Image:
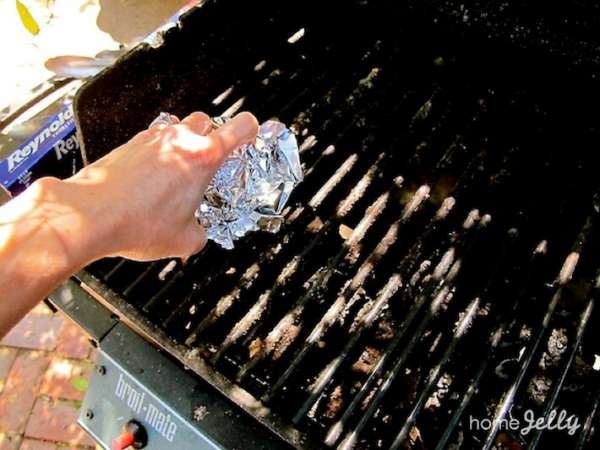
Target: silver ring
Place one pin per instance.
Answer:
(164, 119)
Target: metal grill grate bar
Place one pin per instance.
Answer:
(564, 276)
(435, 290)
(558, 383)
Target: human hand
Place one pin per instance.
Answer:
(139, 200)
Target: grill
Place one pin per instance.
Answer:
(438, 263)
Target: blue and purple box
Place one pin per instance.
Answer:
(52, 150)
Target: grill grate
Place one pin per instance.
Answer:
(436, 263)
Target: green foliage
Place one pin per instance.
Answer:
(81, 384)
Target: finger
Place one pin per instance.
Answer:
(214, 148)
(197, 122)
(240, 130)
(191, 240)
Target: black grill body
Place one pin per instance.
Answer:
(437, 264)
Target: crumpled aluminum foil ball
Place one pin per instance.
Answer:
(250, 190)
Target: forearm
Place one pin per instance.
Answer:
(44, 238)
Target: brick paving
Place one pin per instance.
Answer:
(45, 362)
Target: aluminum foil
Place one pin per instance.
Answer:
(250, 190)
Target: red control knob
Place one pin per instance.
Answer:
(134, 435)
(123, 441)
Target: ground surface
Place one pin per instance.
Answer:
(45, 362)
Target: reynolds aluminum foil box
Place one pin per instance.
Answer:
(52, 150)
